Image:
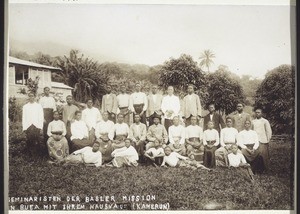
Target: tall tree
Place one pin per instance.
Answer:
(276, 95)
(206, 59)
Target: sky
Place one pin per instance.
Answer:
(248, 39)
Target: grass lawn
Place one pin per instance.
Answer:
(183, 189)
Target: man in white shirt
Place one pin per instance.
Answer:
(91, 116)
(170, 107)
(139, 103)
(210, 141)
(137, 134)
(49, 106)
(177, 137)
(264, 132)
(227, 139)
(123, 100)
(90, 156)
(193, 140)
(32, 123)
(155, 154)
(120, 132)
(80, 133)
(191, 105)
(154, 104)
(104, 136)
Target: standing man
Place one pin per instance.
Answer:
(138, 103)
(240, 117)
(215, 118)
(32, 123)
(91, 116)
(69, 115)
(154, 104)
(123, 104)
(264, 132)
(137, 134)
(191, 105)
(170, 107)
(49, 106)
(109, 104)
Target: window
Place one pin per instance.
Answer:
(21, 76)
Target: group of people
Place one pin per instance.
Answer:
(165, 132)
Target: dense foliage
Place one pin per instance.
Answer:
(276, 95)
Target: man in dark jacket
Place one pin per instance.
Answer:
(215, 117)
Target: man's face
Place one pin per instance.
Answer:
(258, 113)
(190, 89)
(170, 91)
(167, 151)
(234, 149)
(155, 121)
(69, 100)
(105, 116)
(239, 107)
(154, 89)
(56, 116)
(176, 121)
(127, 143)
(123, 89)
(31, 97)
(156, 143)
(120, 118)
(96, 147)
(108, 89)
(46, 91)
(229, 123)
(211, 108)
(137, 118)
(89, 103)
(247, 125)
(78, 116)
(138, 87)
(210, 125)
(193, 121)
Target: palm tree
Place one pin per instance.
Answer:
(206, 59)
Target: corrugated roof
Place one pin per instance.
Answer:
(28, 63)
(60, 85)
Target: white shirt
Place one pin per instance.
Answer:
(173, 159)
(138, 98)
(170, 103)
(129, 152)
(79, 130)
(48, 102)
(263, 129)
(236, 159)
(211, 116)
(91, 116)
(104, 127)
(56, 126)
(155, 152)
(193, 131)
(88, 156)
(123, 100)
(211, 135)
(120, 129)
(247, 137)
(154, 96)
(32, 114)
(228, 135)
(176, 133)
(138, 131)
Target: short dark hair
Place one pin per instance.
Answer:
(77, 112)
(89, 100)
(69, 96)
(46, 88)
(258, 108)
(241, 104)
(228, 118)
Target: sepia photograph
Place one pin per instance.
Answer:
(150, 106)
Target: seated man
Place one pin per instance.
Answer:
(173, 159)
(104, 136)
(156, 132)
(79, 133)
(125, 156)
(155, 154)
(177, 137)
(210, 142)
(57, 144)
(227, 139)
(137, 134)
(193, 139)
(90, 156)
(120, 132)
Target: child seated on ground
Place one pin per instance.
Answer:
(238, 161)
(90, 156)
(173, 159)
(57, 144)
(155, 154)
(125, 156)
